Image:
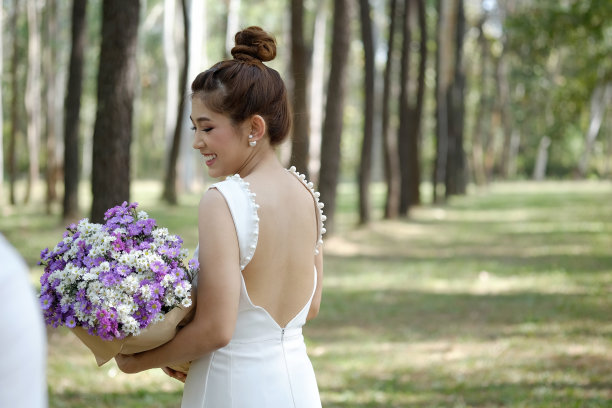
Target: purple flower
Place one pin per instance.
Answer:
(46, 301)
(123, 270)
(194, 264)
(173, 252)
(153, 307)
(134, 229)
(179, 273)
(70, 321)
(110, 278)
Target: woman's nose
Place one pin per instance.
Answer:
(197, 143)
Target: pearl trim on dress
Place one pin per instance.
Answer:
(320, 205)
(244, 185)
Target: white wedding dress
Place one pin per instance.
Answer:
(264, 365)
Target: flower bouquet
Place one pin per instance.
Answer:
(121, 286)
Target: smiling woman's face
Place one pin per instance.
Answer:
(223, 144)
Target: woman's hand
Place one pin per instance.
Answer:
(179, 375)
(128, 363)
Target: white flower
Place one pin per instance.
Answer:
(179, 291)
(168, 280)
(142, 215)
(145, 292)
(90, 276)
(186, 302)
(131, 326)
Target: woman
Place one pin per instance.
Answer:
(259, 246)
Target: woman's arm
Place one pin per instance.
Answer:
(218, 293)
(316, 299)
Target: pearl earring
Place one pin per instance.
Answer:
(252, 143)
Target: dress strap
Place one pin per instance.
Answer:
(318, 203)
(242, 205)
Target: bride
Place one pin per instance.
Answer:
(259, 246)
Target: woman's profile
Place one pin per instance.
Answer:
(260, 242)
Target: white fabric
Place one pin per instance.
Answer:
(264, 365)
(22, 335)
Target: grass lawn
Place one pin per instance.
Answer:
(499, 299)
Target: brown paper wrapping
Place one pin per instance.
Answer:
(153, 336)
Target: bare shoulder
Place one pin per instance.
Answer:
(213, 207)
(212, 199)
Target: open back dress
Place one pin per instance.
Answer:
(264, 365)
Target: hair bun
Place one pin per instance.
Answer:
(254, 43)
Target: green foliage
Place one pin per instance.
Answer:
(559, 53)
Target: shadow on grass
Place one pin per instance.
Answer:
(404, 315)
(558, 382)
(137, 399)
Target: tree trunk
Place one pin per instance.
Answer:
(539, 171)
(600, 99)
(233, 24)
(411, 181)
(169, 194)
(455, 172)
(317, 84)
(1, 111)
(404, 142)
(51, 96)
(365, 167)
(444, 71)
(478, 165)
(113, 127)
(391, 157)
(72, 106)
(189, 161)
(503, 90)
(172, 68)
(332, 127)
(300, 144)
(15, 119)
(32, 98)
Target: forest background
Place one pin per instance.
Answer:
(480, 131)
(401, 92)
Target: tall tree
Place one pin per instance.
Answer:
(409, 135)
(334, 110)
(414, 182)
(317, 85)
(189, 162)
(1, 111)
(169, 193)
(51, 116)
(300, 60)
(482, 116)
(445, 68)
(455, 182)
(391, 157)
(601, 98)
(404, 144)
(232, 24)
(33, 97)
(113, 127)
(15, 116)
(365, 167)
(72, 108)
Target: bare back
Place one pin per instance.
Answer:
(280, 278)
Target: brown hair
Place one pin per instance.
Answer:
(244, 86)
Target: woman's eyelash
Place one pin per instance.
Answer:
(193, 128)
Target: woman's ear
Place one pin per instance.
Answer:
(258, 127)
